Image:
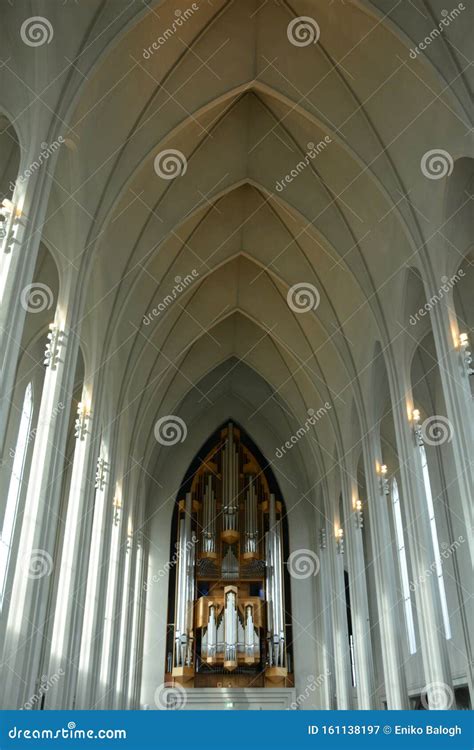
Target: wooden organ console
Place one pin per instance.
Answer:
(229, 605)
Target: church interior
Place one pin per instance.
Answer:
(236, 424)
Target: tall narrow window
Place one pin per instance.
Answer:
(434, 538)
(402, 559)
(14, 489)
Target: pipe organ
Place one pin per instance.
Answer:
(229, 609)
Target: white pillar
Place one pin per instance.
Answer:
(428, 605)
(396, 691)
(69, 604)
(364, 667)
(27, 615)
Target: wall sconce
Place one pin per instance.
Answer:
(128, 546)
(322, 538)
(340, 541)
(55, 342)
(82, 421)
(383, 481)
(417, 431)
(466, 353)
(117, 504)
(8, 223)
(100, 473)
(359, 516)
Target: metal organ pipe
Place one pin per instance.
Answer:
(230, 481)
(209, 518)
(251, 517)
(230, 627)
(211, 633)
(183, 652)
(275, 604)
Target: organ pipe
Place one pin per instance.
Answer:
(230, 629)
(251, 531)
(209, 519)
(185, 584)
(275, 595)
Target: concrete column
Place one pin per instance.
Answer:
(342, 663)
(28, 611)
(63, 645)
(96, 576)
(428, 605)
(17, 268)
(459, 405)
(396, 691)
(359, 600)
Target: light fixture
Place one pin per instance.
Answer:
(466, 353)
(359, 516)
(117, 504)
(101, 471)
(129, 535)
(82, 421)
(7, 224)
(55, 341)
(322, 538)
(417, 431)
(383, 481)
(340, 541)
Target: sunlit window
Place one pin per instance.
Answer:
(402, 559)
(14, 491)
(434, 537)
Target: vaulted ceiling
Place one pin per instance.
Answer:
(244, 105)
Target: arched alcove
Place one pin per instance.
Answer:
(229, 607)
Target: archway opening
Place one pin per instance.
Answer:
(229, 594)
